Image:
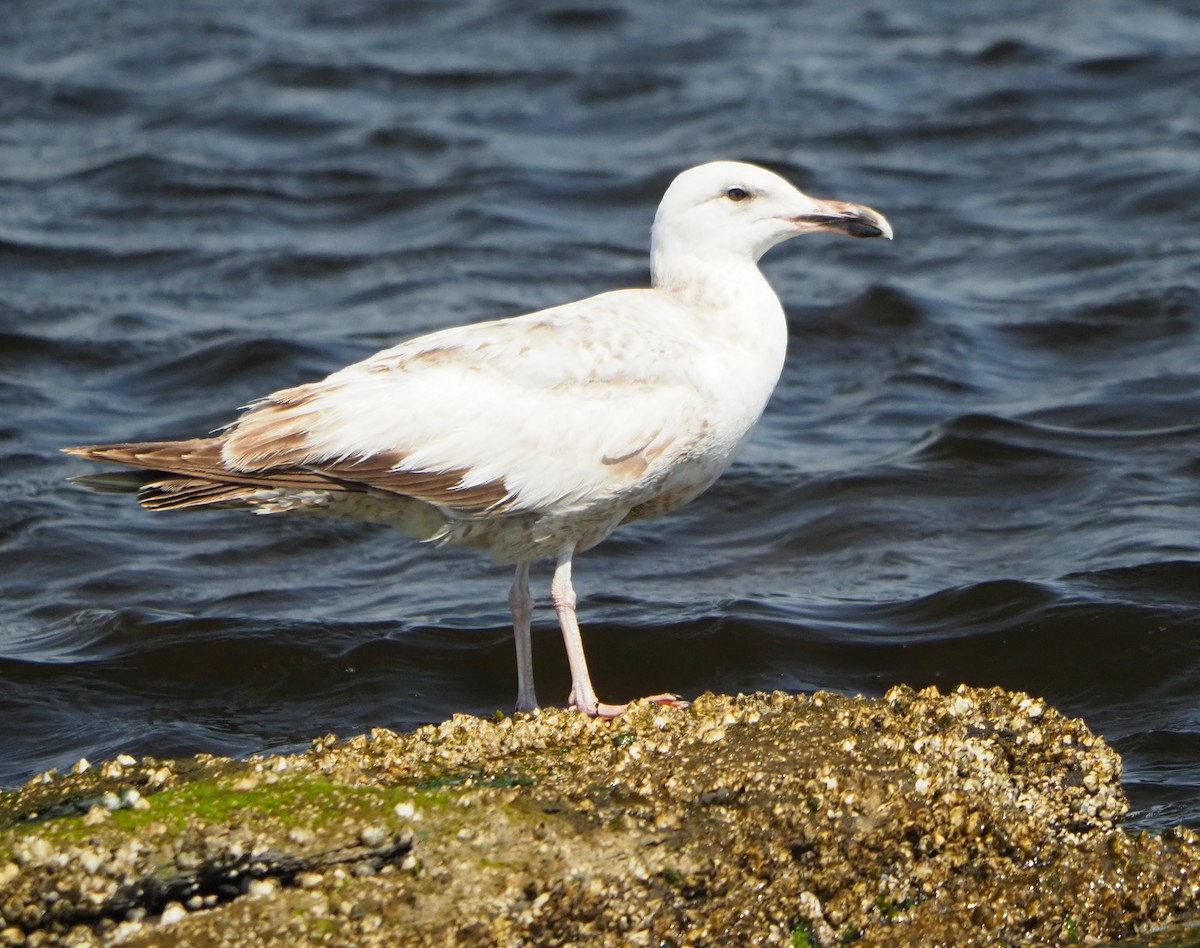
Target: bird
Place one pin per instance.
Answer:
(531, 436)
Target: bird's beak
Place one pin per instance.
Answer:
(854, 220)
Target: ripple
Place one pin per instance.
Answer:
(980, 464)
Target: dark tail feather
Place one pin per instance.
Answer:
(158, 490)
(116, 482)
(180, 493)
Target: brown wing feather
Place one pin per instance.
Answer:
(204, 479)
(445, 488)
(276, 431)
(179, 493)
(201, 457)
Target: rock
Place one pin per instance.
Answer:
(917, 818)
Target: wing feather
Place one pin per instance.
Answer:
(557, 407)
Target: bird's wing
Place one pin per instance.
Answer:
(546, 410)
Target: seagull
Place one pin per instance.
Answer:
(537, 435)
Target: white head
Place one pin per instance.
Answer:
(731, 211)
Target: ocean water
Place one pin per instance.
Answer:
(981, 465)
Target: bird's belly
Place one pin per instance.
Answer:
(507, 535)
(670, 499)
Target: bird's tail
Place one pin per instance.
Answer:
(171, 475)
(115, 482)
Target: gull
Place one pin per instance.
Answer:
(537, 435)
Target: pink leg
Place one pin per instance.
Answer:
(521, 604)
(583, 695)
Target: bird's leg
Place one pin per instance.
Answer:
(521, 604)
(562, 594)
(583, 695)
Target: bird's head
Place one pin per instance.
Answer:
(732, 209)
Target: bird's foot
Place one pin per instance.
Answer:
(667, 700)
(610, 711)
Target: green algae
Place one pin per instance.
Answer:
(297, 800)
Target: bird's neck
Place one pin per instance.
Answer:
(717, 280)
(733, 309)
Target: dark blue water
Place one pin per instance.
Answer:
(982, 463)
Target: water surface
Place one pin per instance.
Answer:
(981, 464)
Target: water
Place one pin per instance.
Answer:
(981, 464)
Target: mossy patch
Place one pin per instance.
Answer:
(282, 803)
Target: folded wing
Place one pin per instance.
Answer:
(557, 408)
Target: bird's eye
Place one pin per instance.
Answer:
(737, 194)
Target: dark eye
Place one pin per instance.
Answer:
(737, 194)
